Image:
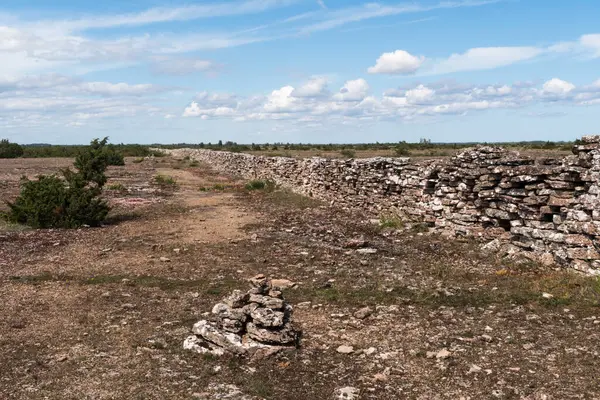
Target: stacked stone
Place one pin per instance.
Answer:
(244, 323)
(536, 207)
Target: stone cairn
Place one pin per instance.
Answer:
(258, 322)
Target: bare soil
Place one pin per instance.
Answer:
(102, 313)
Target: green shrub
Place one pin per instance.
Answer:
(257, 184)
(10, 150)
(401, 151)
(348, 153)
(67, 201)
(113, 157)
(46, 150)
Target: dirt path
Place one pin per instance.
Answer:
(102, 313)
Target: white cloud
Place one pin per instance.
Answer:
(483, 58)
(314, 87)
(420, 94)
(195, 110)
(183, 66)
(397, 62)
(115, 89)
(217, 99)
(164, 14)
(337, 18)
(592, 42)
(557, 86)
(354, 90)
(281, 101)
(353, 103)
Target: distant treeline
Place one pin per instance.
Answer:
(423, 144)
(46, 150)
(40, 150)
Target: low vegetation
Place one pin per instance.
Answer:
(10, 150)
(116, 187)
(69, 200)
(347, 153)
(391, 221)
(122, 150)
(258, 184)
(402, 148)
(165, 181)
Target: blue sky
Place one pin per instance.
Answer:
(146, 71)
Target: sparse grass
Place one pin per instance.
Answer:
(420, 228)
(568, 289)
(288, 198)
(259, 387)
(158, 153)
(40, 278)
(7, 226)
(347, 153)
(401, 151)
(223, 287)
(164, 181)
(194, 164)
(219, 187)
(286, 154)
(391, 221)
(259, 184)
(116, 187)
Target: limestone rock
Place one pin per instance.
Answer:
(267, 301)
(363, 313)
(266, 317)
(284, 336)
(237, 299)
(530, 206)
(344, 349)
(247, 324)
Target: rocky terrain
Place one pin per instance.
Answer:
(546, 209)
(386, 310)
(257, 323)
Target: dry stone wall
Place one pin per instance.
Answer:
(548, 209)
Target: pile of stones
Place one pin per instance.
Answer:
(535, 208)
(247, 324)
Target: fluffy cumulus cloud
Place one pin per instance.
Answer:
(557, 86)
(419, 95)
(353, 102)
(355, 90)
(314, 87)
(397, 62)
